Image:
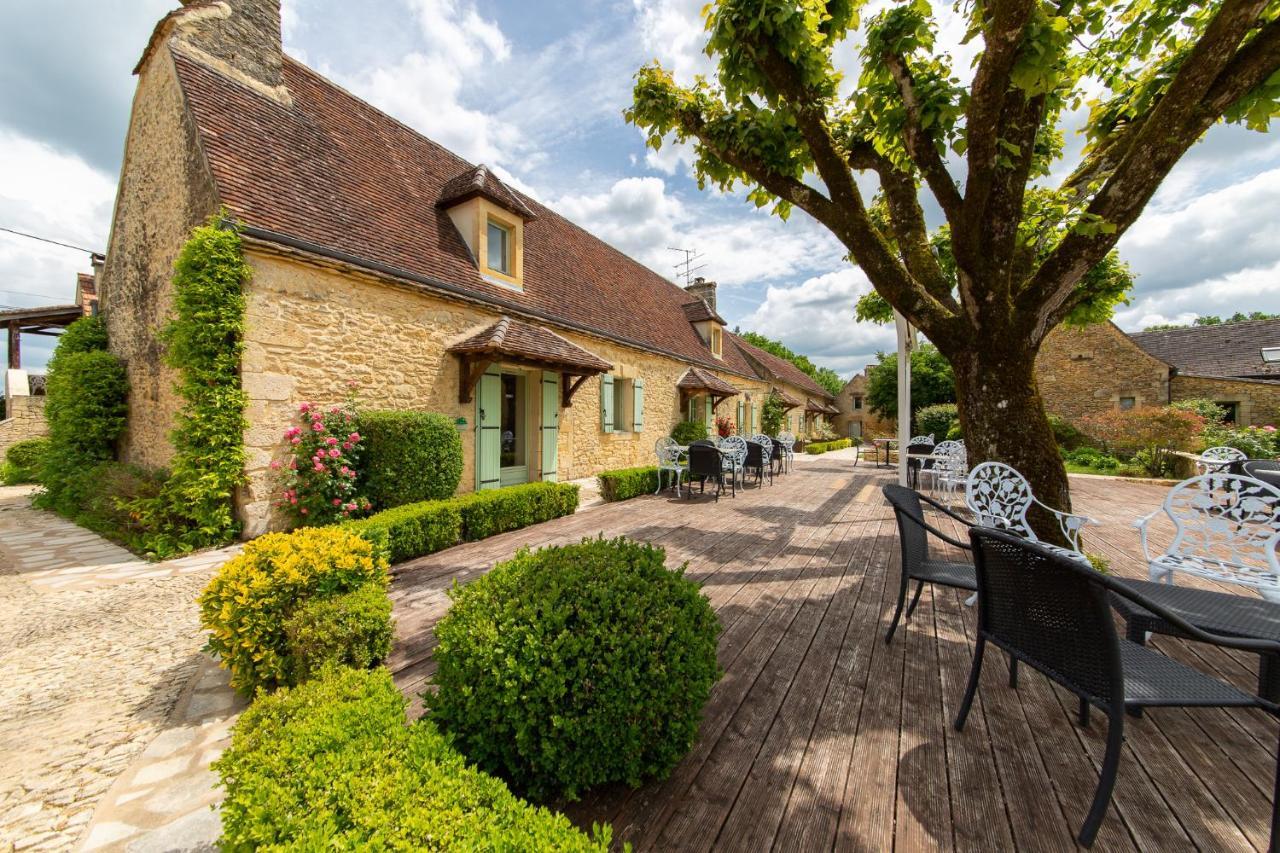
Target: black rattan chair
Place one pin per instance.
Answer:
(915, 466)
(757, 462)
(917, 565)
(1054, 614)
(704, 464)
(1266, 470)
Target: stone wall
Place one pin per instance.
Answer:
(1257, 402)
(311, 329)
(1087, 371)
(24, 419)
(164, 191)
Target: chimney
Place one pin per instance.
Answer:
(240, 38)
(704, 290)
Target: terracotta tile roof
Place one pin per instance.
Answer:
(697, 379)
(1229, 349)
(479, 181)
(698, 311)
(331, 171)
(787, 400)
(524, 341)
(820, 407)
(769, 366)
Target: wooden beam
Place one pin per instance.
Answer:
(470, 371)
(568, 389)
(15, 345)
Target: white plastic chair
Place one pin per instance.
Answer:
(668, 455)
(1218, 459)
(1226, 528)
(1000, 497)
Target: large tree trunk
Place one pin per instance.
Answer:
(1004, 421)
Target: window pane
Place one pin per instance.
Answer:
(1127, 402)
(498, 254)
(621, 388)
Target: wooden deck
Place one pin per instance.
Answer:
(820, 736)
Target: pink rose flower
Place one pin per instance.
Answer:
(317, 426)
(335, 453)
(337, 502)
(305, 407)
(331, 441)
(295, 440)
(275, 465)
(320, 467)
(354, 437)
(303, 510)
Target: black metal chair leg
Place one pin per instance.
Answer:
(969, 692)
(1275, 809)
(1013, 673)
(1084, 712)
(897, 613)
(1107, 779)
(915, 599)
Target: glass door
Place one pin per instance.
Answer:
(514, 430)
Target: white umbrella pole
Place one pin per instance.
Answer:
(906, 343)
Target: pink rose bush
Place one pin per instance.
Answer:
(321, 472)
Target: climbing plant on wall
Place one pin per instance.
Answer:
(204, 342)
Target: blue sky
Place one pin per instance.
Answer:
(537, 90)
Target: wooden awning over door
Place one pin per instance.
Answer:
(514, 342)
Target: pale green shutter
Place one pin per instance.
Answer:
(741, 429)
(710, 419)
(606, 403)
(637, 419)
(489, 432)
(550, 425)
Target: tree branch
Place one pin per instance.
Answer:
(920, 145)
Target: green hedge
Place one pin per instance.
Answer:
(351, 629)
(576, 666)
(936, 420)
(24, 459)
(628, 483)
(331, 765)
(409, 457)
(687, 432)
(815, 447)
(415, 530)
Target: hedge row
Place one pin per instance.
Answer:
(414, 530)
(626, 483)
(409, 457)
(332, 765)
(816, 447)
(23, 460)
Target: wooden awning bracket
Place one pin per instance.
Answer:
(470, 371)
(569, 385)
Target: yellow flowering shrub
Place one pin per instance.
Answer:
(248, 603)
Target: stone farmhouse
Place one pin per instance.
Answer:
(383, 259)
(1090, 370)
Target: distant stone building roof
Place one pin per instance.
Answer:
(1229, 349)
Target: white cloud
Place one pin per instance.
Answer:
(50, 194)
(672, 31)
(815, 317)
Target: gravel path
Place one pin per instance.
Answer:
(95, 649)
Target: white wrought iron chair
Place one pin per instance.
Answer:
(950, 471)
(668, 453)
(733, 452)
(922, 439)
(766, 453)
(1000, 497)
(788, 442)
(1226, 528)
(1219, 459)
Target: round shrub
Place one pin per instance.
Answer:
(86, 411)
(25, 459)
(687, 432)
(409, 457)
(248, 603)
(936, 420)
(1066, 434)
(574, 666)
(332, 765)
(353, 629)
(88, 334)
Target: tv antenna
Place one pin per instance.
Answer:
(685, 269)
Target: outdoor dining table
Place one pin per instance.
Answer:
(886, 442)
(1243, 616)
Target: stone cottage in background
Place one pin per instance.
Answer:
(1087, 371)
(381, 258)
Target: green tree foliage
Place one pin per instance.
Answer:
(932, 382)
(772, 414)
(1214, 320)
(205, 340)
(777, 116)
(86, 408)
(824, 376)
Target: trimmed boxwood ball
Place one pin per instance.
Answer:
(409, 457)
(575, 666)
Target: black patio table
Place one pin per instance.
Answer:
(1242, 616)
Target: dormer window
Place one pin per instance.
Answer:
(499, 259)
(490, 218)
